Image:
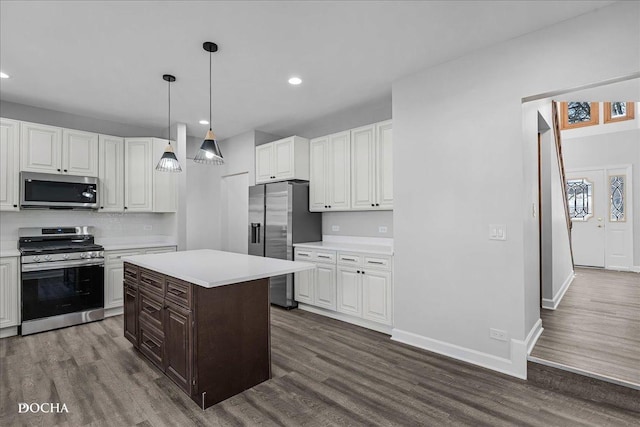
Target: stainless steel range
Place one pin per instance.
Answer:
(62, 278)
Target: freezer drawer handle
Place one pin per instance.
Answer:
(255, 232)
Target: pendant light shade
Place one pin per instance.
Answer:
(209, 152)
(168, 162)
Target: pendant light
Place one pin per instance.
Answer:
(168, 162)
(209, 152)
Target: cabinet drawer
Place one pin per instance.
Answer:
(377, 262)
(179, 292)
(116, 256)
(131, 274)
(325, 256)
(349, 259)
(161, 250)
(151, 281)
(152, 344)
(303, 254)
(151, 309)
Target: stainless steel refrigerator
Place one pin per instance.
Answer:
(279, 217)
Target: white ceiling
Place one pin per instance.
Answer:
(106, 59)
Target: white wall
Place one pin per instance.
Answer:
(202, 206)
(609, 149)
(360, 224)
(464, 159)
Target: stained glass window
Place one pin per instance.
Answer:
(617, 198)
(580, 199)
(618, 111)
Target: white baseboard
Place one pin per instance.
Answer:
(552, 304)
(385, 329)
(8, 332)
(515, 366)
(636, 268)
(533, 336)
(115, 311)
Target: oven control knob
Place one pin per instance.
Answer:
(36, 258)
(65, 256)
(47, 257)
(93, 254)
(83, 255)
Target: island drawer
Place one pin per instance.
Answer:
(179, 292)
(131, 274)
(152, 344)
(151, 308)
(151, 281)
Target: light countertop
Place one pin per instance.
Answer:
(209, 268)
(9, 248)
(138, 242)
(347, 247)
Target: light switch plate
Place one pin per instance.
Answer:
(335, 228)
(497, 232)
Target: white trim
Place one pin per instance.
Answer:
(533, 336)
(8, 332)
(515, 366)
(552, 304)
(114, 311)
(379, 327)
(636, 268)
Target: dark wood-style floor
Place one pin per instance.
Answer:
(596, 327)
(325, 372)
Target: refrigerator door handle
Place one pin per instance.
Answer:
(255, 232)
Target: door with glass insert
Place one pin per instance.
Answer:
(586, 196)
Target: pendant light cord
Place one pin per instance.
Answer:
(169, 119)
(210, 101)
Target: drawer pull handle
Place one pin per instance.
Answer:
(324, 256)
(348, 259)
(149, 309)
(375, 262)
(176, 292)
(150, 344)
(301, 254)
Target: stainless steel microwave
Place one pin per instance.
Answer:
(50, 191)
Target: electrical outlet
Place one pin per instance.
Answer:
(382, 229)
(148, 227)
(497, 334)
(497, 232)
(335, 228)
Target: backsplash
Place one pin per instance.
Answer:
(106, 224)
(358, 223)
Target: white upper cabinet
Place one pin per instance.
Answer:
(138, 175)
(329, 179)
(165, 197)
(372, 167)
(40, 148)
(111, 173)
(146, 189)
(281, 160)
(79, 153)
(50, 149)
(9, 161)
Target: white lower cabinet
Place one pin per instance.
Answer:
(9, 299)
(356, 287)
(114, 275)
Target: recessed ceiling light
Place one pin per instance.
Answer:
(295, 81)
(204, 122)
(3, 75)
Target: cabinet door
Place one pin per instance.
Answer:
(318, 177)
(79, 153)
(325, 286)
(303, 286)
(264, 163)
(384, 165)
(111, 173)
(9, 161)
(349, 291)
(283, 164)
(131, 314)
(165, 185)
(138, 175)
(178, 345)
(40, 148)
(113, 289)
(363, 155)
(339, 171)
(8, 292)
(376, 294)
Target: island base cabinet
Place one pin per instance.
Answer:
(213, 343)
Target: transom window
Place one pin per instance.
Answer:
(618, 111)
(580, 199)
(578, 114)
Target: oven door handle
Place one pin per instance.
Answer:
(41, 266)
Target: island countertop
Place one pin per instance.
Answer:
(210, 268)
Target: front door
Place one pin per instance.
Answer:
(586, 196)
